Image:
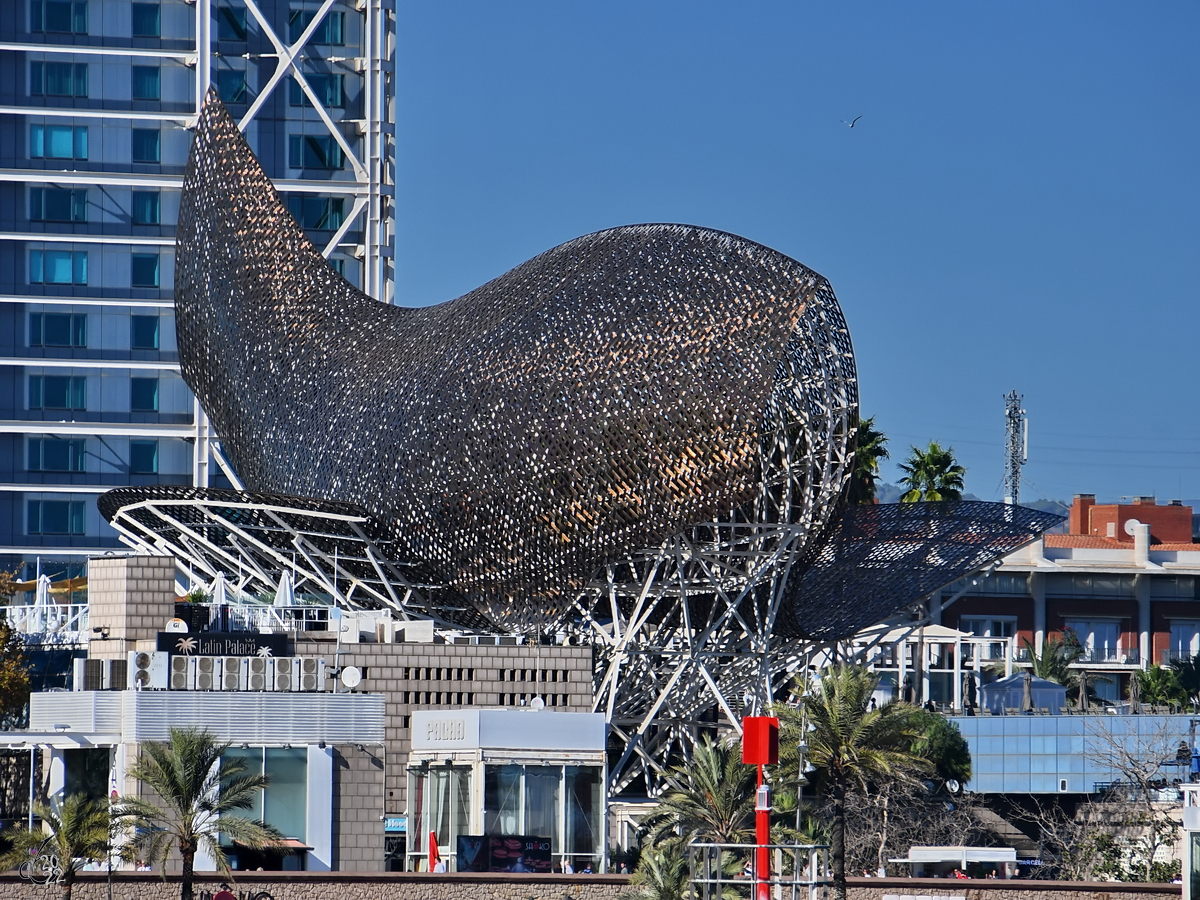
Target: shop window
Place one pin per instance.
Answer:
(58, 142)
(57, 330)
(50, 454)
(57, 392)
(58, 204)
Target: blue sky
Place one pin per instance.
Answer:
(1017, 208)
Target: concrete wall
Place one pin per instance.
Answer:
(975, 889)
(322, 886)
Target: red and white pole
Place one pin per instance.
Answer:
(762, 837)
(760, 747)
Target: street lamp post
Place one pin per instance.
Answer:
(760, 747)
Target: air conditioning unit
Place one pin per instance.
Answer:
(104, 674)
(260, 674)
(312, 673)
(207, 673)
(235, 673)
(147, 670)
(284, 674)
(183, 673)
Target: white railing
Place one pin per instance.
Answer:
(56, 619)
(726, 871)
(269, 619)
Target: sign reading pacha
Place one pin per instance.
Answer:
(223, 643)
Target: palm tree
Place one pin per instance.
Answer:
(200, 793)
(932, 474)
(662, 874)
(79, 830)
(714, 800)
(1158, 685)
(870, 447)
(1187, 671)
(852, 746)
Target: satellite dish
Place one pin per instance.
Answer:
(351, 676)
(537, 703)
(1131, 527)
(177, 626)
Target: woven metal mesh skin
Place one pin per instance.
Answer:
(598, 399)
(879, 559)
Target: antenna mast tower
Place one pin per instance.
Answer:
(1016, 447)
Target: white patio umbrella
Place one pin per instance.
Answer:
(44, 609)
(220, 591)
(285, 594)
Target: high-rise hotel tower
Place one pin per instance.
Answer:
(96, 99)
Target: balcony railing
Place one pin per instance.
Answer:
(1177, 656)
(1110, 656)
(44, 624)
(261, 619)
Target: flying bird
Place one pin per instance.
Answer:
(851, 124)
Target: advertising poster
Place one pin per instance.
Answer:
(519, 853)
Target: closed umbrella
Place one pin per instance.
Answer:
(972, 696)
(285, 594)
(43, 607)
(1027, 691)
(1083, 689)
(220, 591)
(1135, 693)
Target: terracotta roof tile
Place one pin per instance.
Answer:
(1096, 542)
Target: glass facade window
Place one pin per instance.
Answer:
(143, 270)
(314, 151)
(283, 803)
(328, 88)
(143, 395)
(322, 213)
(58, 79)
(55, 517)
(143, 332)
(57, 392)
(231, 85)
(563, 803)
(58, 267)
(58, 142)
(145, 145)
(330, 31)
(1177, 587)
(1099, 637)
(58, 204)
(49, 454)
(145, 208)
(58, 330)
(146, 83)
(231, 24)
(146, 20)
(1089, 585)
(1185, 641)
(143, 457)
(59, 16)
(444, 802)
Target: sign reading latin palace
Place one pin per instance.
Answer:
(222, 643)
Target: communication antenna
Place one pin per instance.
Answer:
(1016, 447)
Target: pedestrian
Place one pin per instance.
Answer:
(224, 893)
